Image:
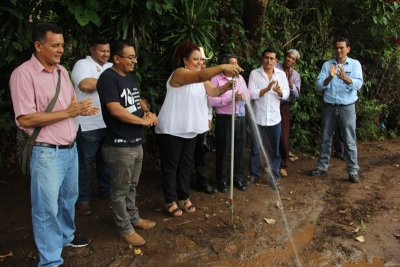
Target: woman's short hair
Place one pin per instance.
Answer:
(184, 50)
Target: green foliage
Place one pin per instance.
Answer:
(157, 26)
(369, 114)
(190, 21)
(306, 112)
(7, 126)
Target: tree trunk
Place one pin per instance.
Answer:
(253, 19)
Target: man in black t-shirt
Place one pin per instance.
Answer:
(125, 116)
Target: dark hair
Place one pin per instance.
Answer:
(226, 57)
(117, 48)
(270, 50)
(99, 40)
(184, 50)
(342, 39)
(40, 31)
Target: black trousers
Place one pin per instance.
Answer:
(176, 155)
(200, 163)
(223, 131)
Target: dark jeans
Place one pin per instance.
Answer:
(223, 135)
(285, 134)
(200, 163)
(176, 155)
(338, 141)
(89, 148)
(273, 134)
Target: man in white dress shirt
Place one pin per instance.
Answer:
(268, 86)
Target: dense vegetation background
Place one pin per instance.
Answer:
(243, 27)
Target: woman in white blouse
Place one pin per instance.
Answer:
(183, 116)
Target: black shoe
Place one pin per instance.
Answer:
(274, 183)
(317, 172)
(340, 156)
(223, 188)
(78, 242)
(240, 185)
(251, 180)
(208, 190)
(354, 178)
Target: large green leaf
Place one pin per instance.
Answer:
(93, 17)
(82, 19)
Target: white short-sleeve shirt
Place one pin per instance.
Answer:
(88, 68)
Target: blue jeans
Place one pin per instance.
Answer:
(89, 148)
(273, 135)
(54, 190)
(345, 117)
(125, 165)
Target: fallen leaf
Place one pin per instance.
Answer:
(269, 221)
(351, 223)
(397, 235)
(395, 220)
(356, 230)
(360, 238)
(278, 204)
(367, 187)
(10, 254)
(207, 216)
(342, 211)
(137, 251)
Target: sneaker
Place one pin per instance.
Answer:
(84, 208)
(354, 178)
(79, 242)
(283, 172)
(145, 224)
(133, 239)
(317, 172)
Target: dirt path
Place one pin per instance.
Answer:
(323, 215)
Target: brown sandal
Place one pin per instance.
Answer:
(182, 204)
(174, 212)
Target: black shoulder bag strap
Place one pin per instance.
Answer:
(32, 138)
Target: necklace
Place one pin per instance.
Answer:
(122, 74)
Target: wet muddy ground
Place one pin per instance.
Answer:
(317, 220)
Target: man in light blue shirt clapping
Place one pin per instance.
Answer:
(340, 79)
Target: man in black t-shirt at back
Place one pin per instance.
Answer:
(125, 116)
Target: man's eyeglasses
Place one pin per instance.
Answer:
(130, 57)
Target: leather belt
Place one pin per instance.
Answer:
(71, 145)
(227, 116)
(339, 105)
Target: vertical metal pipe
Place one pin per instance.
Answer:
(232, 150)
